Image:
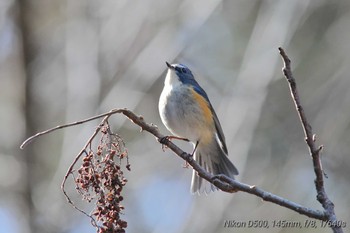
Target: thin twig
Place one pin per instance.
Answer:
(30, 139)
(83, 150)
(315, 151)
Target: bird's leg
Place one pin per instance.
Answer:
(186, 165)
(195, 148)
(163, 139)
(178, 138)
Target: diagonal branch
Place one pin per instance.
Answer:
(222, 182)
(310, 139)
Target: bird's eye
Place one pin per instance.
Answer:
(183, 70)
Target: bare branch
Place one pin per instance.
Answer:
(315, 151)
(30, 139)
(222, 182)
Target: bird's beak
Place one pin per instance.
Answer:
(169, 65)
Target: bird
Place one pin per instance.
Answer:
(186, 111)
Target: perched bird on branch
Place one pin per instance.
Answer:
(187, 113)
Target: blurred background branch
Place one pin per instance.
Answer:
(80, 58)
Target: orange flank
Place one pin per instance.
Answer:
(204, 105)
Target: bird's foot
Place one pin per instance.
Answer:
(186, 165)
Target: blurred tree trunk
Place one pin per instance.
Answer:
(24, 22)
